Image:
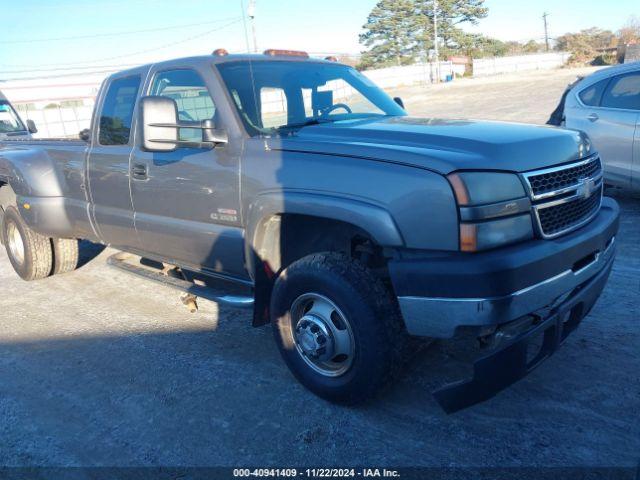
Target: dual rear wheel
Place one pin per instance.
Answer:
(34, 256)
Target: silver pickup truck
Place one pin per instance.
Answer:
(353, 225)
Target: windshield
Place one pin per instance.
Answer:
(9, 120)
(285, 96)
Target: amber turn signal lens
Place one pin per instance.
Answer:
(273, 52)
(459, 188)
(468, 237)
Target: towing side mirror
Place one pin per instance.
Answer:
(161, 127)
(159, 118)
(31, 126)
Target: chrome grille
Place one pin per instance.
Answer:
(556, 180)
(565, 198)
(563, 216)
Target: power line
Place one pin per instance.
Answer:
(89, 63)
(113, 34)
(80, 70)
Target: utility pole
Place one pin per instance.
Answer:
(546, 30)
(251, 11)
(435, 39)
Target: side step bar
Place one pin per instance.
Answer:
(127, 263)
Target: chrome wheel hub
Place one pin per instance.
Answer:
(314, 338)
(16, 244)
(322, 335)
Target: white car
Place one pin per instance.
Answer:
(11, 125)
(606, 106)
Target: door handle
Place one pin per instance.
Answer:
(593, 117)
(139, 171)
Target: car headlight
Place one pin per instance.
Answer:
(494, 210)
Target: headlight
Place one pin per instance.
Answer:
(494, 210)
(479, 188)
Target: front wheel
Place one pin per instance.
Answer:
(29, 252)
(337, 327)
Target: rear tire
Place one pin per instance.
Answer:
(66, 253)
(29, 252)
(327, 290)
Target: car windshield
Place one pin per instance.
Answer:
(9, 120)
(280, 97)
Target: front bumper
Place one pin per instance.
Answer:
(504, 366)
(440, 293)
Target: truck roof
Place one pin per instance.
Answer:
(219, 59)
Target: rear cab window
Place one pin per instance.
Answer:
(116, 117)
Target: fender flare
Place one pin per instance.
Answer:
(373, 219)
(31, 172)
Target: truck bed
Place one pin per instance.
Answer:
(44, 141)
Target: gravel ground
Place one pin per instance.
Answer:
(528, 97)
(98, 368)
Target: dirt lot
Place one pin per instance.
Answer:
(101, 369)
(526, 97)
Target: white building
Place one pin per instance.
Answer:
(60, 106)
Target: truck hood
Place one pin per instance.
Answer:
(442, 145)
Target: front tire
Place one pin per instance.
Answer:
(337, 327)
(29, 252)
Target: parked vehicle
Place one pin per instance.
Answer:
(606, 106)
(11, 126)
(353, 225)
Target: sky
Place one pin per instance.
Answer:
(34, 38)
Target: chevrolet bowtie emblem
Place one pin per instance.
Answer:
(586, 187)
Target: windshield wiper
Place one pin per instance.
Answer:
(308, 123)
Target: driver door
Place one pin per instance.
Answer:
(187, 201)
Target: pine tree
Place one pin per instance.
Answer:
(451, 14)
(399, 31)
(390, 34)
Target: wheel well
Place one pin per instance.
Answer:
(282, 239)
(7, 196)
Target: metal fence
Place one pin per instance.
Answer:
(420, 73)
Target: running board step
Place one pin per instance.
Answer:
(126, 262)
